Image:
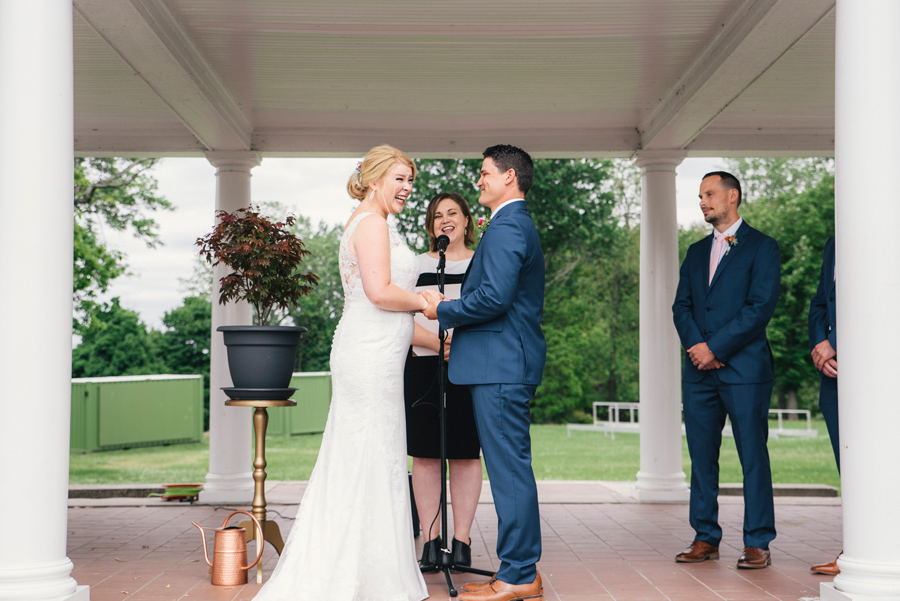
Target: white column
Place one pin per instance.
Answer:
(36, 219)
(230, 477)
(867, 152)
(661, 478)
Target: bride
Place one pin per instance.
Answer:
(352, 538)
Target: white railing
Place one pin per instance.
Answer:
(612, 423)
(614, 410)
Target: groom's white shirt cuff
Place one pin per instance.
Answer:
(494, 212)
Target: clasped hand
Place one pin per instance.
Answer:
(703, 358)
(432, 299)
(825, 358)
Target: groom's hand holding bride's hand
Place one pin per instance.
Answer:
(432, 298)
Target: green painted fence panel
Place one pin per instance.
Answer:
(135, 411)
(313, 398)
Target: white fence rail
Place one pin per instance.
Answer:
(615, 411)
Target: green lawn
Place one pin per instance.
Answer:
(584, 456)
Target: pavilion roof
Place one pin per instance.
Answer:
(561, 78)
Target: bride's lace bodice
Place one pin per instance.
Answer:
(403, 262)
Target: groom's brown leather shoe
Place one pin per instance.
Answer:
(498, 590)
(754, 558)
(474, 587)
(697, 551)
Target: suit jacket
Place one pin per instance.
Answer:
(497, 336)
(731, 313)
(823, 306)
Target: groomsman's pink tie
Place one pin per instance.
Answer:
(714, 258)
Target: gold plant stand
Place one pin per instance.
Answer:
(271, 532)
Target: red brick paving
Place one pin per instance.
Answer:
(603, 546)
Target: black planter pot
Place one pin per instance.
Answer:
(261, 358)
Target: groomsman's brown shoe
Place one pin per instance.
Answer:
(498, 590)
(697, 551)
(474, 587)
(829, 569)
(754, 558)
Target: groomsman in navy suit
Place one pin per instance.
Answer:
(823, 346)
(726, 296)
(499, 351)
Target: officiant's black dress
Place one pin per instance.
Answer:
(421, 384)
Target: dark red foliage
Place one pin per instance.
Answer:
(265, 259)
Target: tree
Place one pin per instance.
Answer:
(183, 347)
(320, 311)
(199, 283)
(795, 205)
(115, 343)
(435, 176)
(769, 178)
(792, 200)
(585, 213)
(116, 193)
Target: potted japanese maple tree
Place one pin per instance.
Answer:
(265, 260)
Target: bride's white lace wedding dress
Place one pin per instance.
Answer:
(352, 539)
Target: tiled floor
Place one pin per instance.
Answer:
(599, 544)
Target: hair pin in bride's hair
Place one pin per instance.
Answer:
(357, 173)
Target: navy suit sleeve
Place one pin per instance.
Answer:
(503, 255)
(818, 306)
(750, 322)
(683, 309)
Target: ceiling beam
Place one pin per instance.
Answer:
(453, 143)
(151, 41)
(753, 38)
(769, 143)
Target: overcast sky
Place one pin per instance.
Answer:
(314, 188)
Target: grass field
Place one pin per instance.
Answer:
(583, 456)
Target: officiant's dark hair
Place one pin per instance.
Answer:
(729, 182)
(508, 157)
(464, 209)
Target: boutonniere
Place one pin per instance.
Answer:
(483, 224)
(732, 242)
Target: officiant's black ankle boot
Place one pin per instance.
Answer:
(462, 553)
(431, 552)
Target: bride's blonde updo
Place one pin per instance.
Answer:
(377, 163)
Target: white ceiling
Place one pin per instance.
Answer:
(450, 77)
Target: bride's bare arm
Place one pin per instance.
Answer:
(371, 244)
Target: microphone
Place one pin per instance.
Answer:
(442, 242)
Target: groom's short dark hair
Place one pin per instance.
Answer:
(508, 157)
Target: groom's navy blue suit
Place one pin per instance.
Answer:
(499, 350)
(823, 326)
(730, 314)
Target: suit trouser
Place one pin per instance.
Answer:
(503, 418)
(828, 405)
(706, 404)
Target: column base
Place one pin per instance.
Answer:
(219, 490)
(82, 593)
(670, 488)
(867, 579)
(827, 592)
(41, 582)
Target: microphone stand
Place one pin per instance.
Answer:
(445, 559)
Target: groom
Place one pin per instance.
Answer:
(499, 351)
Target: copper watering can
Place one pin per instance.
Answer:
(230, 552)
